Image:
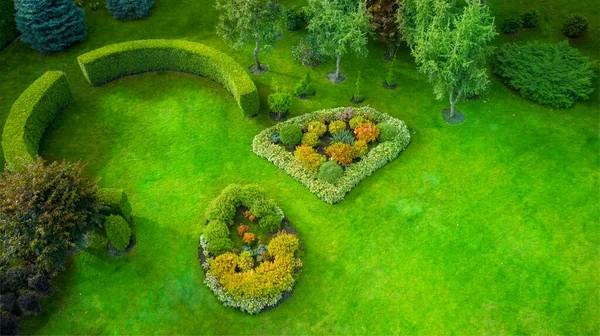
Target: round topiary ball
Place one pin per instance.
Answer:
(290, 135)
(575, 25)
(531, 19)
(387, 132)
(118, 232)
(129, 9)
(330, 172)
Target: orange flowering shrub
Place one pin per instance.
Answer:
(367, 131)
(309, 157)
(249, 215)
(242, 229)
(341, 153)
(248, 237)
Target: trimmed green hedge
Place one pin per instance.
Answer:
(8, 27)
(111, 62)
(31, 114)
(116, 201)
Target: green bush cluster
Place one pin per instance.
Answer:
(512, 24)
(556, 75)
(531, 19)
(116, 202)
(8, 27)
(291, 135)
(354, 173)
(575, 25)
(280, 102)
(293, 18)
(331, 172)
(304, 88)
(108, 63)
(387, 132)
(118, 232)
(29, 116)
(221, 211)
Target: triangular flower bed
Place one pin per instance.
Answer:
(249, 251)
(359, 140)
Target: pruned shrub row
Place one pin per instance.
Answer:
(117, 60)
(33, 111)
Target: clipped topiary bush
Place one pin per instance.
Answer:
(575, 25)
(556, 75)
(129, 9)
(118, 232)
(291, 135)
(116, 202)
(29, 116)
(531, 19)
(511, 24)
(114, 61)
(330, 172)
(387, 132)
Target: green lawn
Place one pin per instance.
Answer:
(489, 227)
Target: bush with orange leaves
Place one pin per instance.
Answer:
(341, 153)
(367, 131)
(248, 237)
(242, 229)
(267, 280)
(249, 215)
(309, 157)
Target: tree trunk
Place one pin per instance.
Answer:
(453, 103)
(256, 55)
(337, 67)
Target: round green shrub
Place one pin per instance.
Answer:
(357, 120)
(387, 132)
(118, 232)
(531, 19)
(575, 25)
(331, 172)
(512, 24)
(290, 135)
(336, 126)
(270, 223)
(310, 139)
(129, 9)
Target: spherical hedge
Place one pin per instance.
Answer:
(291, 135)
(331, 172)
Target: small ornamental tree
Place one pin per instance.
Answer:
(390, 80)
(304, 88)
(358, 96)
(129, 9)
(383, 22)
(338, 28)
(242, 21)
(45, 209)
(451, 48)
(50, 25)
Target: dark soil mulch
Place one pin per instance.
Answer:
(263, 69)
(458, 118)
(331, 77)
(113, 252)
(357, 101)
(389, 87)
(279, 116)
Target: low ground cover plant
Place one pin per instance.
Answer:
(249, 251)
(351, 138)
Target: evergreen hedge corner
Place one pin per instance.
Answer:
(8, 26)
(118, 232)
(50, 25)
(116, 201)
(29, 116)
(129, 9)
(129, 58)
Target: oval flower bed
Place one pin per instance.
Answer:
(249, 250)
(331, 151)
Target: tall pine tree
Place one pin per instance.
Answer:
(50, 25)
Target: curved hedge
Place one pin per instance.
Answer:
(111, 62)
(31, 114)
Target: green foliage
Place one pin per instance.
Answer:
(344, 136)
(310, 139)
(575, 25)
(306, 53)
(31, 114)
(531, 19)
(357, 120)
(129, 9)
(114, 61)
(317, 127)
(310, 159)
(387, 132)
(291, 135)
(270, 223)
(280, 101)
(512, 24)
(337, 126)
(116, 202)
(556, 75)
(391, 79)
(293, 18)
(382, 14)
(41, 230)
(358, 95)
(8, 27)
(305, 88)
(118, 232)
(50, 25)
(361, 147)
(330, 172)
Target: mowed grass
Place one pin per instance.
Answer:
(486, 227)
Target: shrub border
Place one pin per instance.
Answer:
(31, 114)
(372, 161)
(108, 63)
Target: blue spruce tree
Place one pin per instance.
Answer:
(50, 25)
(129, 9)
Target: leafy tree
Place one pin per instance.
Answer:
(129, 9)
(384, 25)
(242, 21)
(44, 211)
(338, 27)
(50, 25)
(450, 48)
